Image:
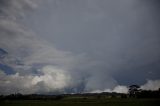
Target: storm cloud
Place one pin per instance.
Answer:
(78, 45)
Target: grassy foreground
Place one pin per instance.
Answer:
(84, 102)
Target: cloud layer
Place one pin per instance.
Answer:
(56, 46)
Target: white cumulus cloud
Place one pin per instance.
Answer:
(151, 85)
(51, 79)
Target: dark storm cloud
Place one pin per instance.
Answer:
(80, 44)
(118, 36)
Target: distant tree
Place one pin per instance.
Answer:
(133, 90)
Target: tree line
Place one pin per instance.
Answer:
(134, 92)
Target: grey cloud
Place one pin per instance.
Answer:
(24, 46)
(93, 41)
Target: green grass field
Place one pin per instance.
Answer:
(84, 102)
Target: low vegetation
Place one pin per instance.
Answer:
(138, 98)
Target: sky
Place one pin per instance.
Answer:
(77, 46)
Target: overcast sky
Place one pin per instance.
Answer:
(78, 45)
